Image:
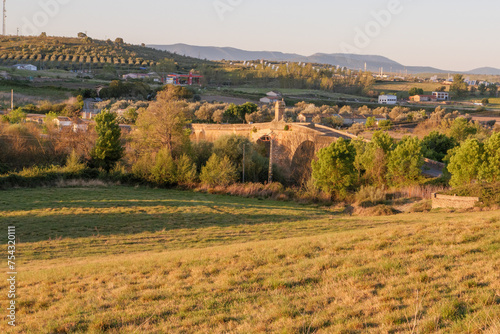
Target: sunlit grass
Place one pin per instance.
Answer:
(125, 260)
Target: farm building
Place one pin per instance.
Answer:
(387, 99)
(27, 67)
(441, 96)
(271, 97)
(423, 98)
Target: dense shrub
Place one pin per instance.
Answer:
(334, 171)
(219, 171)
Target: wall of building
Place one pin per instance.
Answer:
(453, 202)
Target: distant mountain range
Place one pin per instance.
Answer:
(353, 61)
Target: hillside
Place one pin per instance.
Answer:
(353, 61)
(79, 53)
(137, 260)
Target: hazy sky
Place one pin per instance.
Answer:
(448, 34)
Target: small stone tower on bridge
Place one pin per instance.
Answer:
(280, 111)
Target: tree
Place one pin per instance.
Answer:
(172, 92)
(436, 145)
(108, 148)
(119, 40)
(459, 86)
(493, 89)
(166, 66)
(405, 162)
(164, 170)
(163, 124)
(345, 110)
(236, 113)
(465, 162)
(482, 88)
(371, 158)
(333, 171)
(371, 122)
(186, 170)
(232, 146)
(218, 172)
(385, 124)
(15, 116)
(416, 91)
(490, 168)
(461, 129)
(82, 35)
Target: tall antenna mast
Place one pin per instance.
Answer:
(4, 17)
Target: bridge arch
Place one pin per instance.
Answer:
(301, 161)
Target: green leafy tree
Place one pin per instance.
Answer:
(73, 164)
(416, 91)
(186, 170)
(405, 162)
(15, 116)
(482, 88)
(461, 129)
(436, 145)
(493, 89)
(371, 158)
(334, 171)
(385, 124)
(371, 122)
(465, 162)
(459, 86)
(163, 124)
(490, 168)
(219, 172)
(164, 170)
(108, 148)
(235, 113)
(256, 166)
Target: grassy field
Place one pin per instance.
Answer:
(137, 260)
(404, 87)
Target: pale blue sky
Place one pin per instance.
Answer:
(449, 34)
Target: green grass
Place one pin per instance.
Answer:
(404, 87)
(125, 260)
(299, 93)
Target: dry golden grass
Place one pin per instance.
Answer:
(285, 268)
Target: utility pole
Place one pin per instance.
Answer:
(4, 17)
(269, 138)
(271, 160)
(244, 149)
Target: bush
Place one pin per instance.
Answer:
(436, 145)
(488, 193)
(405, 162)
(186, 170)
(423, 206)
(334, 171)
(164, 169)
(218, 172)
(370, 196)
(73, 164)
(385, 124)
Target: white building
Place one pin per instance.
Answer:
(441, 96)
(28, 67)
(271, 97)
(387, 99)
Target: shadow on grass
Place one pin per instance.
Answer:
(80, 213)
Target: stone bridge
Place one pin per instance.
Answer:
(294, 144)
